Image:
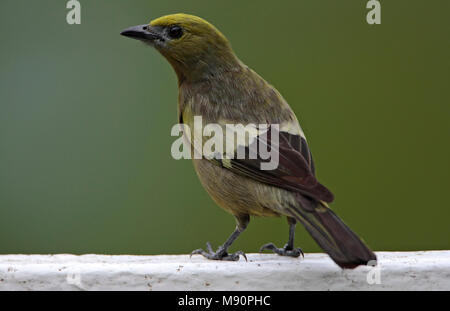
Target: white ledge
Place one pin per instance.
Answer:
(428, 270)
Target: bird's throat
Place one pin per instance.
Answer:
(203, 67)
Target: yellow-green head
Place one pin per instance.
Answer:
(193, 46)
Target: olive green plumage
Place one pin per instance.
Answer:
(215, 84)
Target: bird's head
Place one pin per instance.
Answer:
(194, 47)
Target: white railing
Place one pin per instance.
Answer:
(428, 270)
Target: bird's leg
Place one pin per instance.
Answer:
(222, 251)
(288, 249)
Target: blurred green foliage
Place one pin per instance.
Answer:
(85, 119)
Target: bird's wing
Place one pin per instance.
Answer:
(295, 170)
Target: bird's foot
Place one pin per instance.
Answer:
(285, 251)
(220, 254)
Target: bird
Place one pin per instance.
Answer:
(216, 85)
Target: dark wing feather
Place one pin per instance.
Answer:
(295, 171)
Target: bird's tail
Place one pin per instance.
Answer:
(333, 236)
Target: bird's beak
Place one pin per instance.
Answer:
(141, 32)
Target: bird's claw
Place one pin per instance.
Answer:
(220, 254)
(285, 251)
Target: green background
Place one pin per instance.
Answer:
(85, 119)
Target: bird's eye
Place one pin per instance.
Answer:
(175, 32)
